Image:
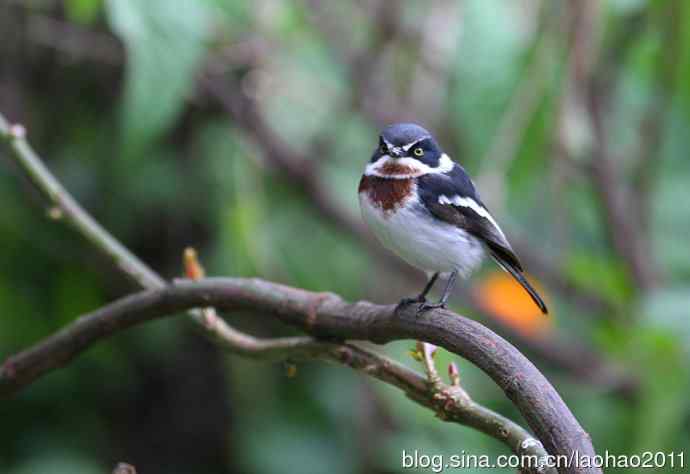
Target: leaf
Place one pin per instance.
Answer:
(83, 11)
(164, 46)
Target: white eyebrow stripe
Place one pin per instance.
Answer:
(410, 145)
(472, 204)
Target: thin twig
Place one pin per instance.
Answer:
(71, 211)
(65, 207)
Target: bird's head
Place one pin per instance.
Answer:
(406, 150)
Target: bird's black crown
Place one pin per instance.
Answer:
(400, 134)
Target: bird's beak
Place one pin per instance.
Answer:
(395, 152)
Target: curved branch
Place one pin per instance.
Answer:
(323, 315)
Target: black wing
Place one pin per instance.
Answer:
(452, 197)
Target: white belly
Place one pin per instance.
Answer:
(421, 240)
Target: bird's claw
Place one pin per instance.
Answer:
(408, 301)
(424, 307)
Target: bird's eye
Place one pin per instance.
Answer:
(418, 152)
(382, 148)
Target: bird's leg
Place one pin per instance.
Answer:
(444, 298)
(421, 298)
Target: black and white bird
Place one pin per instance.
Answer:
(424, 207)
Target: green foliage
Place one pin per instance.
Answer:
(83, 11)
(165, 46)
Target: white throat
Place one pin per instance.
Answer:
(410, 168)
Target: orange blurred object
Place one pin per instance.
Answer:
(501, 295)
(192, 267)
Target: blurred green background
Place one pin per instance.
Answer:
(242, 128)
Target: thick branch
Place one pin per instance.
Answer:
(322, 315)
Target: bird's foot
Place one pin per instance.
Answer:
(408, 301)
(424, 307)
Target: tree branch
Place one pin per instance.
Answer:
(68, 208)
(322, 315)
(449, 402)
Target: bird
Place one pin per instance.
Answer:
(424, 207)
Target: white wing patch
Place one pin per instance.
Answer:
(472, 204)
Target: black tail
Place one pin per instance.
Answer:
(525, 284)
